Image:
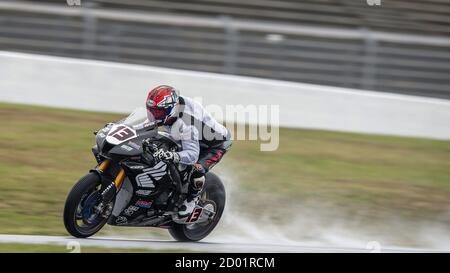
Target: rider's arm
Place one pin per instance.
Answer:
(190, 146)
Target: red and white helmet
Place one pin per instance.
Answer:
(162, 104)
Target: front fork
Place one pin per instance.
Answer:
(109, 188)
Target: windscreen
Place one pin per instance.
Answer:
(138, 119)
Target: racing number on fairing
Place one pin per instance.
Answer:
(122, 133)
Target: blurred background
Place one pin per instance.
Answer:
(398, 46)
(333, 184)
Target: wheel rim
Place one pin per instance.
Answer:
(197, 231)
(87, 218)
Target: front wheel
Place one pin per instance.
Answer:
(213, 197)
(84, 211)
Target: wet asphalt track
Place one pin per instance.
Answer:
(203, 246)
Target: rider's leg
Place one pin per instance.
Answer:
(208, 158)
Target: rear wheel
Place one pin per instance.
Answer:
(84, 211)
(211, 198)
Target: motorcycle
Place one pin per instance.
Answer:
(131, 188)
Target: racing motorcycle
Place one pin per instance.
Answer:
(130, 187)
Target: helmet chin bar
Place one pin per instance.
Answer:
(169, 120)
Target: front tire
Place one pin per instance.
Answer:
(213, 191)
(80, 203)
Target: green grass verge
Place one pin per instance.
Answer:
(38, 248)
(44, 151)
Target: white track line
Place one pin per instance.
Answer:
(203, 246)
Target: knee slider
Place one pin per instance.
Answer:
(198, 182)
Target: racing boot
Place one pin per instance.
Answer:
(195, 188)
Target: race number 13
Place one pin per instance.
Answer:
(122, 133)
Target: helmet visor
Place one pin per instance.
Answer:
(157, 113)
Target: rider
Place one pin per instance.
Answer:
(204, 141)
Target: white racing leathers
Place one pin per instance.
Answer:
(195, 128)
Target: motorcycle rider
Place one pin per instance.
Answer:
(204, 141)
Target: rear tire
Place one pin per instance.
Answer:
(215, 191)
(83, 189)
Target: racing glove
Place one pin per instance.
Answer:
(161, 154)
(168, 156)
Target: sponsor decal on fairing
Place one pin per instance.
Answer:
(130, 210)
(144, 204)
